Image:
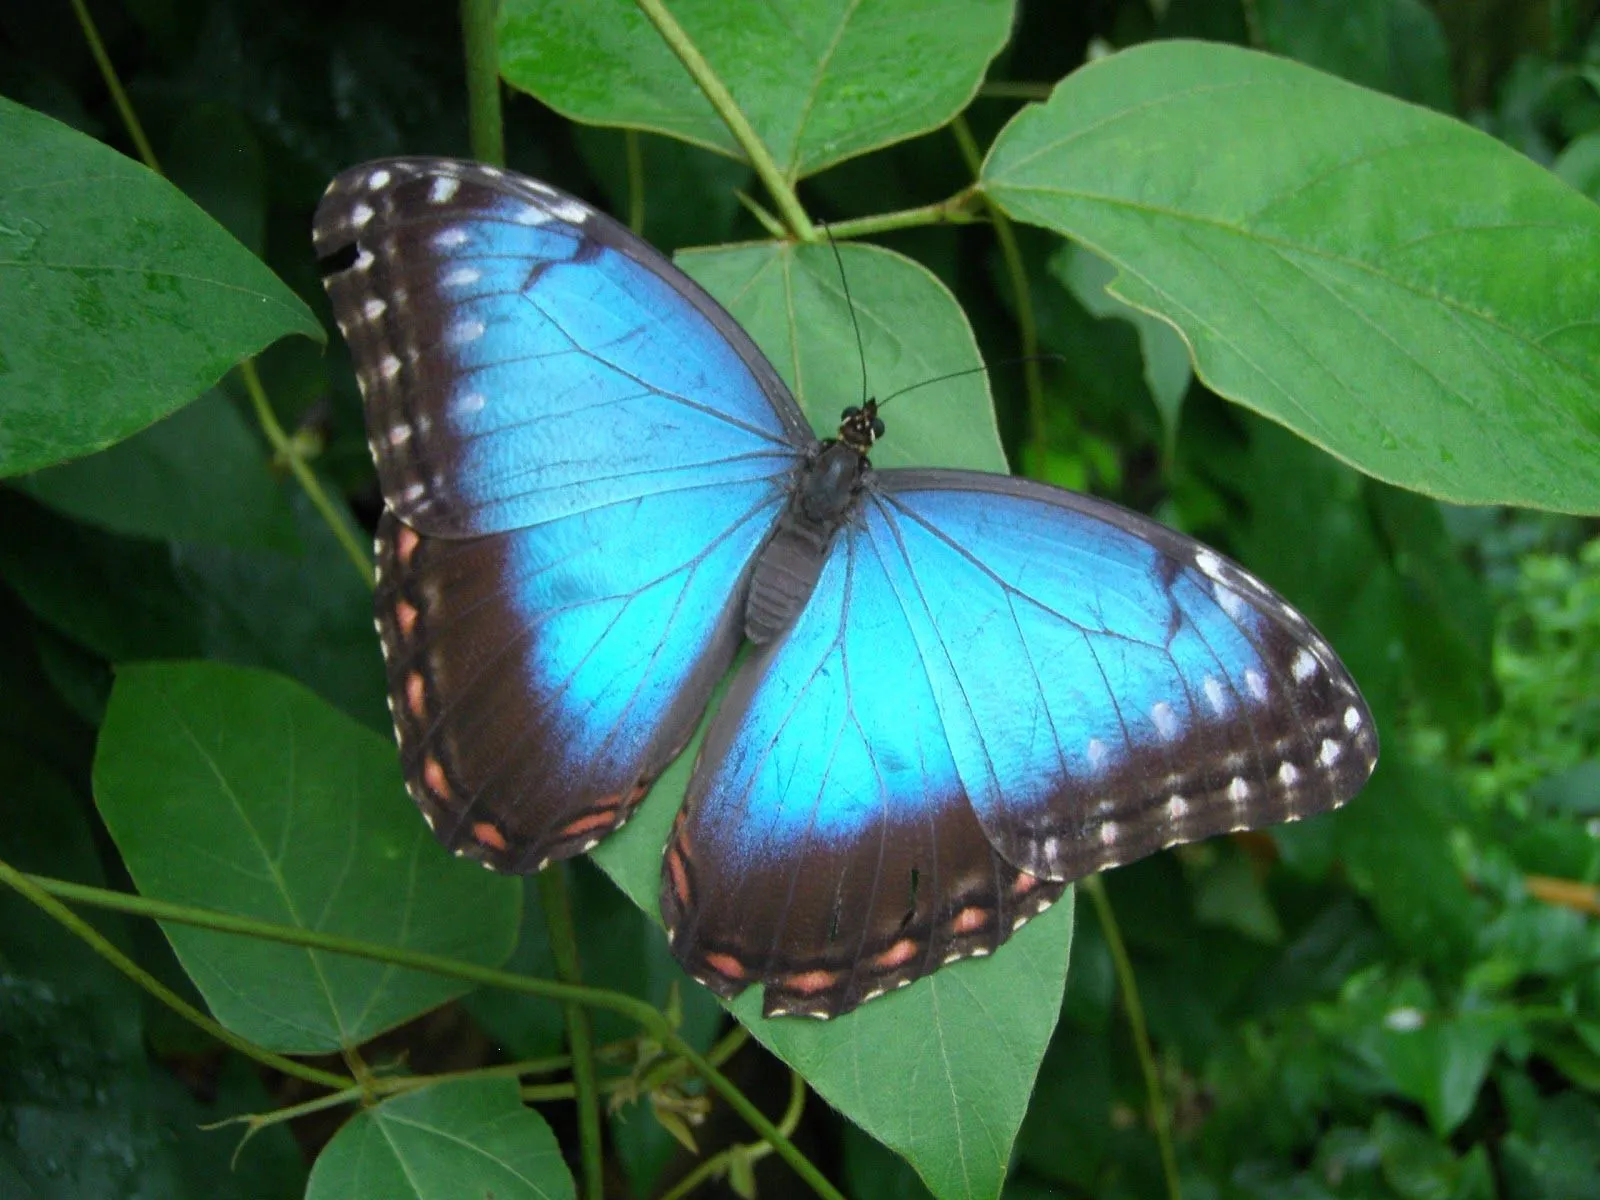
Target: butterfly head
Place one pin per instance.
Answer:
(860, 427)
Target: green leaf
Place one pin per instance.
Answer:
(239, 791)
(120, 299)
(819, 82)
(200, 475)
(1294, 228)
(472, 1137)
(1561, 1158)
(791, 300)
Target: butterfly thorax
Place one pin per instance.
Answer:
(790, 563)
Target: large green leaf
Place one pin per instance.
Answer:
(120, 299)
(1297, 231)
(240, 791)
(471, 1137)
(818, 81)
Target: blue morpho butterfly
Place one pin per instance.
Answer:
(968, 689)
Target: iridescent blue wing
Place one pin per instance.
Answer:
(580, 453)
(996, 688)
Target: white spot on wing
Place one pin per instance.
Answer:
(532, 215)
(1165, 719)
(390, 366)
(570, 211)
(360, 214)
(449, 239)
(1329, 753)
(379, 179)
(1216, 697)
(1209, 564)
(462, 276)
(463, 332)
(1238, 790)
(1097, 753)
(444, 189)
(469, 403)
(1229, 601)
(1177, 807)
(1288, 775)
(1109, 833)
(1304, 666)
(374, 308)
(1256, 683)
(1352, 719)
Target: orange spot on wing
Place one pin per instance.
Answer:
(405, 544)
(405, 616)
(809, 983)
(416, 694)
(1024, 884)
(896, 955)
(969, 920)
(679, 873)
(589, 823)
(433, 776)
(489, 836)
(725, 965)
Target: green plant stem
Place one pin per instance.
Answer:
(770, 223)
(1132, 1005)
(960, 209)
(778, 186)
(484, 122)
(557, 904)
(108, 73)
(638, 1011)
(717, 1164)
(283, 446)
(37, 891)
(1021, 292)
(633, 153)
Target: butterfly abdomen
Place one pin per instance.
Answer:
(790, 564)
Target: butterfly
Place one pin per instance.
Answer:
(966, 690)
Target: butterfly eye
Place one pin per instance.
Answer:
(877, 428)
(851, 412)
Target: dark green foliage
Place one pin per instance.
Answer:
(1292, 317)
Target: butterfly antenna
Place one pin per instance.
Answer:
(1008, 362)
(861, 350)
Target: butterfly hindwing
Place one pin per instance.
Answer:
(996, 688)
(580, 454)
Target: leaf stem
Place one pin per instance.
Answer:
(778, 185)
(484, 122)
(283, 446)
(38, 891)
(557, 903)
(638, 1011)
(957, 210)
(1021, 292)
(1131, 1004)
(108, 73)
